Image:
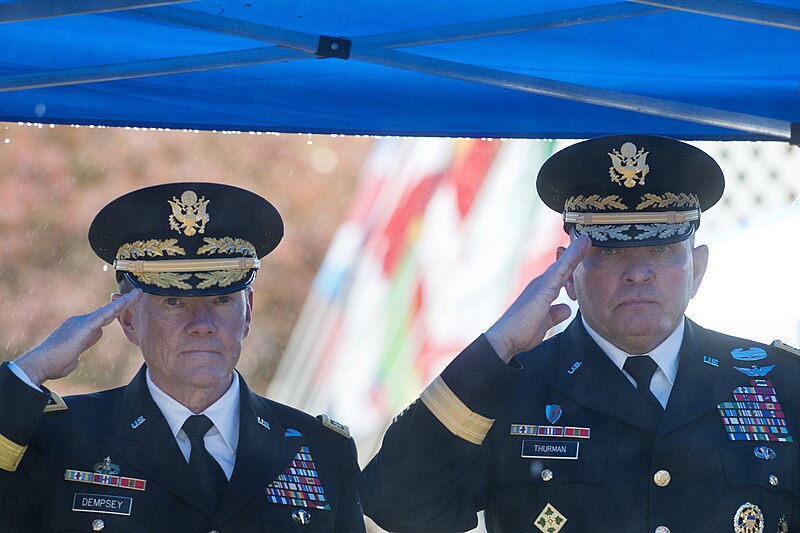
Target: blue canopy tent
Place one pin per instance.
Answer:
(713, 69)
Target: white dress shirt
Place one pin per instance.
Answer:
(665, 355)
(222, 439)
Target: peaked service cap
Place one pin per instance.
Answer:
(187, 239)
(631, 190)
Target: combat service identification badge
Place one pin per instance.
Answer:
(748, 519)
(550, 520)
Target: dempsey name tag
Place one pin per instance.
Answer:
(548, 449)
(102, 503)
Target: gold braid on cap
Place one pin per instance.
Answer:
(669, 199)
(150, 248)
(175, 273)
(594, 201)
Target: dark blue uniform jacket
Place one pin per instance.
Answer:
(125, 425)
(634, 471)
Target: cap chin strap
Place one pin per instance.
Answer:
(663, 217)
(187, 265)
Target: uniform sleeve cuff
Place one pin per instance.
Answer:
(466, 395)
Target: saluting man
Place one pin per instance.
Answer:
(186, 446)
(634, 419)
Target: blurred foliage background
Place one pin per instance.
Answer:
(55, 179)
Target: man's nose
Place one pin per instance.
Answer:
(638, 270)
(201, 320)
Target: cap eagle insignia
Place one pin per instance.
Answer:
(628, 164)
(189, 214)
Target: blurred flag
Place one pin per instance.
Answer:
(441, 236)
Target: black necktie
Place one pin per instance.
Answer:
(206, 469)
(641, 368)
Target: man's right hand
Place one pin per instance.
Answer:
(59, 354)
(525, 323)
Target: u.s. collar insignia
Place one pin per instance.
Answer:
(755, 371)
(550, 520)
(262, 422)
(748, 519)
(553, 412)
(189, 214)
(629, 166)
(753, 354)
(106, 467)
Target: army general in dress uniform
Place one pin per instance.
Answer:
(633, 419)
(186, 446)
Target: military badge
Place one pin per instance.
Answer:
(138, 422)
(748, 519)
(262, 422)
(783, 525)
(755, 414)
(299, 485)
(710, 361)
(106, 467)
(189, 214)
(553, 413)
(755, 371)
(302, 517)
(753, 354)
(550, 520)
(765, 452)
(629, 166)
(292, 433)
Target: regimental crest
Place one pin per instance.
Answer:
(553, 413)
(629, 165)
(748, 519)
(189, 214)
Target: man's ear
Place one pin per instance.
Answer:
(569, 286)
(125, 319)
(699, 265)
(248, 317)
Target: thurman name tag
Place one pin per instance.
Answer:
(543, 449)
(102, 503)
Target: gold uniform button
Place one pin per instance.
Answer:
(662, 478)
(98, 525)
(662, 529)
(547, 474)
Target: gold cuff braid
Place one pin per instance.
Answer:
(10, 454)
(454, 414)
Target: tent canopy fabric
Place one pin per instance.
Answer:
(711, 69)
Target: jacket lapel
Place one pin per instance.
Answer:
(149, 443)
(699, 386)
(266, 448)
(597, 383)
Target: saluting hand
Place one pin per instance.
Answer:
(525, 323)
(59, 354)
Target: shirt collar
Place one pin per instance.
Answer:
(224, 413)
(665, 354)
